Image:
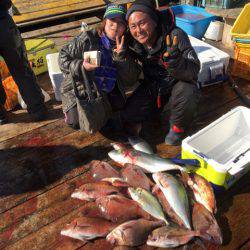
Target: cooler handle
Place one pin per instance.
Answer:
(237, 158)
(201, 154)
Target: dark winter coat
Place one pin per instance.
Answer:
(4, 7)
(186, 68)
(71, 60)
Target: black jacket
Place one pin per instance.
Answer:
(70, 62)
(5, 5)
(185, 69)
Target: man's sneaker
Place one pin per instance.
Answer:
(3, 117)
(39, 115)
(174, 136)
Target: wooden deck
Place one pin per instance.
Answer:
(37, 11)
(42, 163)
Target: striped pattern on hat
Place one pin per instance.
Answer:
(114, 10)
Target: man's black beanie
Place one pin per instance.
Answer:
(146, 6)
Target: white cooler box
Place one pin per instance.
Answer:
(214, 63)
(223, 148)
(55, 74)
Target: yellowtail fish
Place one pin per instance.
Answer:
(175, 194)
(140, 145)
(147, 202)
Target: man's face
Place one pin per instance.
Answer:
(114, 27)
(141, 26)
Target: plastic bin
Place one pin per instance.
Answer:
(241, 27)
(241, 65)
(223, 148)
(193, 20)
(37, 49)
(214, 63)
(55, 74)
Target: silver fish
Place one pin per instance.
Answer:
(169, 236)
(150, 163)
(147, 202)
(141, 145)
(175, 194)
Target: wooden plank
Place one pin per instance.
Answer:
(46, 236)
(51, 174)
(52, 9)
(225, 13)
(73, 15)
(39, 211)
(37, 137)
(60, 28)
(25, 124)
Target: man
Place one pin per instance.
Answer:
(12, 49)
(170, 67)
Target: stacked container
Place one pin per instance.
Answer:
(241, 34)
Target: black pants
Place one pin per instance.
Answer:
(12, 49)
(182, 100)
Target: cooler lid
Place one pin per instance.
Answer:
(206, 52)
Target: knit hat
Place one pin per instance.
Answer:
(115, 10)
(146, 6)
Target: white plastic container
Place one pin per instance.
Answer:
(214, 63)
(55, 74)
(223, 147)
(214, 31)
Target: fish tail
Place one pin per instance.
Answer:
(188, 168)
(167, 223)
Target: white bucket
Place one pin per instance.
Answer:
(55, 74)
(214, 31)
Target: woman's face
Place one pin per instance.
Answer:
(141, 27)
(114, 27)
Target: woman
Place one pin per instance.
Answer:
(113, 74)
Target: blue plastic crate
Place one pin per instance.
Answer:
(193, 20)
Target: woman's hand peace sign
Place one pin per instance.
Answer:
(119, 44)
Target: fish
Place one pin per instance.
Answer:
(91, 191)
(202, 190)
(175, 194)
(149, 163)
(132, 233)
(116, 181)
(117, 208)
(84, 228)
(166, 206)
(135, 177)
(101, 169)
(170, 236)
(91, 210)
(139, 144)
(147, 202)
(205, 222)
(119, 145)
